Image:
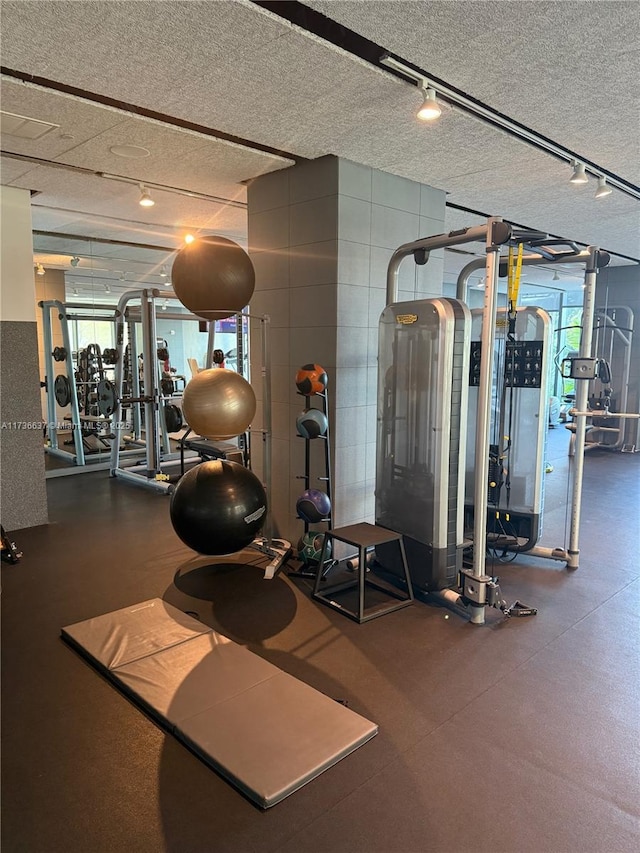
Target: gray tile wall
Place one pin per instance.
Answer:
(321, 235)
(23, 497)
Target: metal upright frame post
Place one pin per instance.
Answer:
(136, 420)
(49, 371)
(266, 421)
(79, 457)
(277, 549)
(327, 457)
(150, 398)
(211, 344)
(151, 391)
(582, 395)
(483, 422)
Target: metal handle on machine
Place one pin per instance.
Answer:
(501, 231)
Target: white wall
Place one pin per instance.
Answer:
(17, 287)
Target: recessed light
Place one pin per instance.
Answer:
(133, 152)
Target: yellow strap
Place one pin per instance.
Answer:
(514, 272)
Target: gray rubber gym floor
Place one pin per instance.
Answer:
(518, 736)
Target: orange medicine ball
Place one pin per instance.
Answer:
(218, 403)
(311, 379)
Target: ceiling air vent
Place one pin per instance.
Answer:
(23, 127)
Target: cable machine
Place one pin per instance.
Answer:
(472, 588)
(545, 252)
(609, 390)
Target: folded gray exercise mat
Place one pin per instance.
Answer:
(264, 730)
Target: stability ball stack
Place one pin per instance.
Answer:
(218, 507)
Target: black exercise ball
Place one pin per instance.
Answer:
(218, 507)
(213, 277)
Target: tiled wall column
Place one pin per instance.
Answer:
(321, 235)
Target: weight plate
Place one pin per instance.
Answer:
(168, 387)
(62, 390)
(173, 418)
(59, 354)
(107, 399)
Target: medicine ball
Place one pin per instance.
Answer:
(213, 277)
(311, 379)
(312, 423)
(218, 507)
(310, 547)
(313, 506)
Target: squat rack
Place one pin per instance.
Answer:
(152, 476)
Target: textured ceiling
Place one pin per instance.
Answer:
(239, 70)
(569, 70)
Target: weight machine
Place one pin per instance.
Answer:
(608, 397)
(469, 588)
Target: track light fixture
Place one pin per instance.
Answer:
(145, 197)
(603, 188)
(75, 291)
(450, 97)
(163, 271)
(161, 188)
(579, 175)
(430, 108)
(556, 277)
(40, 269)
(74, 261)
